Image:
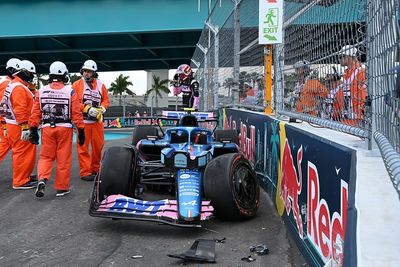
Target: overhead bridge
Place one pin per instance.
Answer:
(118, 34)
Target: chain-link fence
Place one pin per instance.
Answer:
(337, 67)
(383, 80)
(225, 79)
(322, 63)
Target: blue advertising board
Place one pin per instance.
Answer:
(310, 179)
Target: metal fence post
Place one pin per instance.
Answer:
(370, 70)
(215, 29)
(124, 106)
(236, 52)
(204, 92)
(278, 78)
(216, 68)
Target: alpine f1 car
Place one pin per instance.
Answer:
(205, 167)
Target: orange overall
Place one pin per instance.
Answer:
(18, 100)
(354, 95)
(62, 103)
(5, 146)
(310, 94)
(97, 96)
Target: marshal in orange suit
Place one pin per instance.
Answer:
(11, 68)
(55, 108)
(16, 107)
(94, 97)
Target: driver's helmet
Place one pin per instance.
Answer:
(184, 72)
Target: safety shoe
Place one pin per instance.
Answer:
(41, 187)
(27, 185)
(87, 178)
(61, 193)
(33, 177)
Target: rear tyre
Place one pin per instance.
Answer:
(142, 132)
(227, 135)
(117, 172)
(231, 184)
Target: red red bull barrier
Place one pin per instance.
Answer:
(312, 181)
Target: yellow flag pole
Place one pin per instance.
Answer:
(268, 79)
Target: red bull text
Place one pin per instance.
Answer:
(325, 232)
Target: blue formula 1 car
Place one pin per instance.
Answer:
(208, 174)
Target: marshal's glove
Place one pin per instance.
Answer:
(81, 136)
(195, 87)
(93, 112)
(101, 110)
(33, 135)
(25, 131)
(175, 81)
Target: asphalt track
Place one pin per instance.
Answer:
(59, 232)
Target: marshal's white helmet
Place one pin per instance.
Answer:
(301, 64)
(58, 68)
(27, 65)
(348, 50)
(89, 65)
(13, 63)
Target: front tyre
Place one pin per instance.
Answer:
(231, 184)
(117, 172)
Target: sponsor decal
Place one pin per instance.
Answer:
(185, 175)
(291, 185)
(190, 203)
(326, 232)
(189, 190)
(247, 142)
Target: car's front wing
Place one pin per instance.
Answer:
(163, 211)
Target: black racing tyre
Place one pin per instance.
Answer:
(142, 131)
(231, 135)
(117, 172)
(231, 184)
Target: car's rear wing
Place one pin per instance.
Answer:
(171, 119)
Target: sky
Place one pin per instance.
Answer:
(138, 78)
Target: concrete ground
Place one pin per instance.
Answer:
(59, 232)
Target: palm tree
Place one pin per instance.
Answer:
(228, 83)
(120, 86)
(157, 88)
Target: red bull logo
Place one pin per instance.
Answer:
(291, 184)
(247, 144)
(115, 123)
(325, 232)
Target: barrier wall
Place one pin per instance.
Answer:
(119, 122)
(311, 180)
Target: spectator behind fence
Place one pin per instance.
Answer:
(308, 92)
(354, 87)
(248, 96)
(333, 103)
